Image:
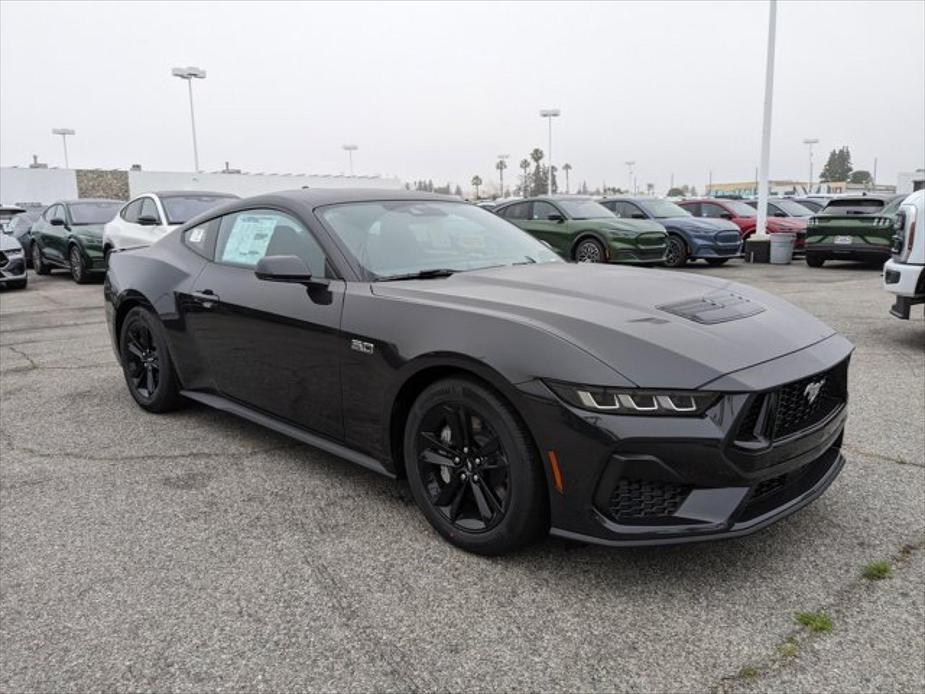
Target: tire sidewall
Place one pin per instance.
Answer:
(591, 242)
(78, 272)
(166, 393)
(678, 243)
(38, 262)
(525, 505)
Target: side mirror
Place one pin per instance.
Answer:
(285, 268)
(638, 215)
(555, 218)
(57, 222)
(147, 220)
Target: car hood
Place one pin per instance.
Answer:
(641, 323)
(8, 242)
(699, 224)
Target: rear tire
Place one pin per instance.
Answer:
(716, 262)
(676, 253)
(814, 260)
(473, 470)
(590, 251)
(78, 265)
(146, 363)
(38, 262)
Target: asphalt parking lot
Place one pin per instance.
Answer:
(195, 551)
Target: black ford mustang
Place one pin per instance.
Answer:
(419, 335)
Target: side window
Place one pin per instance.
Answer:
(131, 211)
(518, 211)
(51, 213)
(626, 210)
(149, 209)
(246, 237)
(542, 210)
(201, 239)
(712, 210)
(693, 207)
(775, 211)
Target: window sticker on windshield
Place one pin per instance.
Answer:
(247, 243)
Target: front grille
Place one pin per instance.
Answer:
(795, 406)
(646, 499)
(728, 237)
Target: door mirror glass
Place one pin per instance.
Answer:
(147, 220)
(57, 222)
(283, 268)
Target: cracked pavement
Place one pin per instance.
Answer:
(195, 551)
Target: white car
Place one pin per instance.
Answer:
(145, 219)
(904, 273)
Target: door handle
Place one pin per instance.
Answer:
(206, 297)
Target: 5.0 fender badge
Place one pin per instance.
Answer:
(363, 347)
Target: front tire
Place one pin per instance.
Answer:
(473, 470)
(815, 260)
(78, 265)
(590, 251)
(149, 373)
(676, 253)
(38, 262)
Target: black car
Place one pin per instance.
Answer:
(421, 336)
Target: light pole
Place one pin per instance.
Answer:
(810, 142)
(550, 113)
(761, 228)
(64, 132)
(501, 166)
(350, 149)
(189, 74)
(629, 170)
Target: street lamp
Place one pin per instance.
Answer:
(189, 74)
(810, 142)
(550, 113)
(64, 132)
(350, 149)
(629, 169)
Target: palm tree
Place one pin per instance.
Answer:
(525, 165)
(476, 182)
(566, 168)
(501, 166)
(537, 156)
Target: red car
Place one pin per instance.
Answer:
(745, 217)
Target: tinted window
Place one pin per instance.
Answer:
(131, 211)
(662, 209)
(585, 209)
(740, 209)
(543, 210)
(853, 206)
(202, 238)
(407, 236)
(93, 212)
(692, 207)
(49, 214)
(181, 209)
(149, 209)
(709, 209)
(246, 237)
(626, 210)
(519, 211)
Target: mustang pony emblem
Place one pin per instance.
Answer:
(811, 392)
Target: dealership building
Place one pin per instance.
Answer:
(792, 187)
(38, 184)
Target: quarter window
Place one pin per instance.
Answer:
(201, 239)
(131, 211)
(149, 209)
(246, 237)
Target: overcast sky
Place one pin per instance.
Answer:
(437, 90)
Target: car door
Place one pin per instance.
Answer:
(150, 221)
(274, 346)
(548, 223)
(54, 246)
(125, 230)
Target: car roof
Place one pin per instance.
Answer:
(315, 197)
(626, 198)
(184, 193)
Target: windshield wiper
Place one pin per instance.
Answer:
(435, 273)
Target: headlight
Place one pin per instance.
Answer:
(633, 401)
(621, 234)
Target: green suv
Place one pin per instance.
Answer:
(69, 234)
(859, 227)
(579, 228)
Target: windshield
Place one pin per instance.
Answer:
(740, 209)
(401, 237)
(584, 209)
(662, 209)
(93, 212)
(181, 209)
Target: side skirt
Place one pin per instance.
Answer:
(297, 433)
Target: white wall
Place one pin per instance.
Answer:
(36, 185)
(247, 184)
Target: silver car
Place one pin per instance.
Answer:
(12, 263)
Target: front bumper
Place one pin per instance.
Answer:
(723, 245)
(12, 268)
(907, 282)
(630, 480)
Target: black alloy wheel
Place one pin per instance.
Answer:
(38, 262)
(148, 369)
(589, 251)
(472, 468)
(676, 253)
(78, 265)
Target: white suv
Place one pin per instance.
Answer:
(145, 219)
(904, 273)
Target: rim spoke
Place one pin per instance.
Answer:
(489, 495)
(448, 493)
(457, 502)
(481, 502)
(435, 458)
(150, 381)
(438, 443)
(464, 420)
(490, 447)
(134, 347)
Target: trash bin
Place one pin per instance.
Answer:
(757, 251)
(782, 248)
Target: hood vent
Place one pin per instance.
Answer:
(718, 307)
